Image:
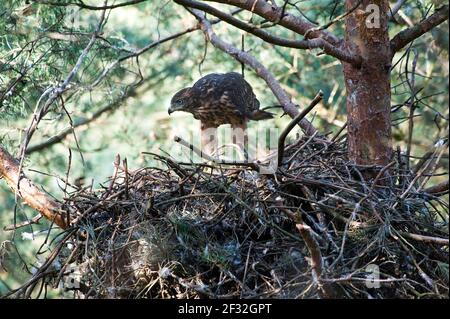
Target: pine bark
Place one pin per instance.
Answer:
(368, 85)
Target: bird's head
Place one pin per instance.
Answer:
(183, 100)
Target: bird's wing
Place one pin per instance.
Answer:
(229, 91)
(241, 93)
(209, 86)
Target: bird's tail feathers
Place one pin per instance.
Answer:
(261, 115)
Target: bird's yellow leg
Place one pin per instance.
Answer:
(208, 139)
(240, 137)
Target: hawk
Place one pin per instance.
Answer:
(220, 98)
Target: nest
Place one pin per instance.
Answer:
(317, 228)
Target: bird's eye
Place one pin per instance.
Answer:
(179, 102)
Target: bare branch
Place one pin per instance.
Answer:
(438, 189)
(283, 98)
(138, 53)
(393, 11)
(210, 158)
(406, 36)
(31, 195)
(333, 21)
(279, 16)
(81, 4)
(79, 123)
(55, 93)
(311, 243)
(426, 239)
(293, 123)
(298, 44)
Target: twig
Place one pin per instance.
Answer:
(137, 53)
(331, 22)
(279, 16)
(31, 195)
(125, 169)
(412, 105)
(312, 245)
(114, 176)
(401, 39)
(110, 107)
(393, 11)
(210, 158)
(306, 44)
(246, 267)
(293, 123)
(426, 239)
(34, 220)
(438, 189)
(339, 132)
(90, 7)
(55, 93)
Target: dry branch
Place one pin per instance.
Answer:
(313, 247)
(438, 189)
(278, 16)
(77, 123)
(91, 7)
(139, 52)
(269, 38)
(393, 11)
(406, 36)
(31, 195)
(293, 123)
(210, 158)
(426, 239)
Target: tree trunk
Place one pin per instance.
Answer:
(368, 86)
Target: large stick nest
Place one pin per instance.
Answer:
(319, 227)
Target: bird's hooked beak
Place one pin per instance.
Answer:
(172, 109)
(179, 101)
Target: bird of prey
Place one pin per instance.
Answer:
(216, 99)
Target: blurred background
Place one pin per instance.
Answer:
(126, 113)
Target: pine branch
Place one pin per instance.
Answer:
(406, 36)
